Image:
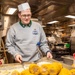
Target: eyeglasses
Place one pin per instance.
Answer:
(24, 16)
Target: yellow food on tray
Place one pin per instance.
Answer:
(64, 71)
(15, 72)
(58, 65)
(34, 69)
(55, 68)
(44, 70)
(72, 71)
(26, 72)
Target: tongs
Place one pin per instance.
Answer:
(22, 63)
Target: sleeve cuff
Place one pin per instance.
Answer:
(16, 54)
(48, 51)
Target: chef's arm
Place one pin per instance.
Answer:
(43, 42)
(10, 42)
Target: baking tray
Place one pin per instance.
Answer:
(6, 69)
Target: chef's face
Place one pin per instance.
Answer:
(25, 16)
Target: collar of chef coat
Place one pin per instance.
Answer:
(24, 25)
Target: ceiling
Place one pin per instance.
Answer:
(44, 10)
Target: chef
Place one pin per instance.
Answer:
(26, 38)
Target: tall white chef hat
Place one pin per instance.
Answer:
(23, 6)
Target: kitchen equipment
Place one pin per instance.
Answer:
(23, 65)
(67, 59)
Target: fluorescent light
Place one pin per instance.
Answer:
(57, 27)
(52, 22)
(61, 30)
(70, 16)
(43, 26)
(71, 25)
(11, 10)
(34, 19)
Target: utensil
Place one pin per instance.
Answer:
(23, 65)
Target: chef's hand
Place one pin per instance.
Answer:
(49, 55)
(18, 58)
